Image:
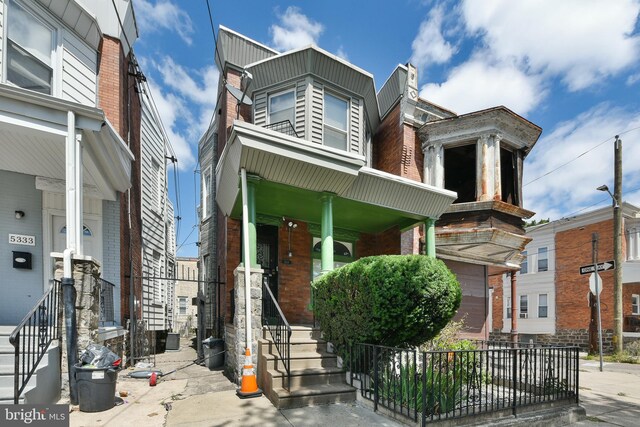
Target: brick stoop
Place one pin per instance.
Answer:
(315, 377)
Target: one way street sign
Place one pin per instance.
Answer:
(602, 266)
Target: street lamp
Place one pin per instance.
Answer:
(617, 274)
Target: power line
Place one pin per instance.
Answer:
(580, 155)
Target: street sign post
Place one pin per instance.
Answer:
(602, 266)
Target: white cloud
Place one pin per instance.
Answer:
(476, 84)
(163, 15)
(173, 110)
(581, 41)
(341, 53)
(295, 30)
(182, 81)
(429, 46)
(573, 186)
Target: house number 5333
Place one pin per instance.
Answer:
(21, 239)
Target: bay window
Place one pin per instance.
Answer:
(335, 121)
(29, 50)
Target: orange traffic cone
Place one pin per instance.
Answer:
(249, 387)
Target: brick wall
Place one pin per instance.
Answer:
(227, 110)
(232, 257)
(495, 282)
(387, 143)
(294, 289)
(573, 249)
(121, 104)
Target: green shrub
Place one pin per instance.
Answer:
(392, 300)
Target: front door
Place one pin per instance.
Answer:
(267, 255)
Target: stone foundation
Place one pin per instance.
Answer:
(85, 275)
(568, 337)
(235, 335)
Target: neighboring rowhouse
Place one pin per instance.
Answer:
(552, 299)
(185, 293)
(335, 171)
(71, 173)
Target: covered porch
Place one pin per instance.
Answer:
(311, 209)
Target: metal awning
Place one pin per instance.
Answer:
(295, 169)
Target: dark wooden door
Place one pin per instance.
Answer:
(267, 255)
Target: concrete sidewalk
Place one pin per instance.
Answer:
(196, 396)
(611, 397)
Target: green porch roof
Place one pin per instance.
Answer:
(294, 173)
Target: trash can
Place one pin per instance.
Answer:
(96, 388)
(213, 352)
(173, 341)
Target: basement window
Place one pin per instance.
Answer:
(460, 172)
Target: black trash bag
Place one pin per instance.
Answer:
(99, 356)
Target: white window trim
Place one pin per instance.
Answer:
(538, 259)
(525, 261)
(279, 93)
(523, 314)
(547, 305)
(348, 112)
(48, 21)
(206, 212)
(508, 307)
(637, 304)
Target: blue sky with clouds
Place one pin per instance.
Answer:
(572, 67)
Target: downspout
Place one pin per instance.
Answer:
(247, 260)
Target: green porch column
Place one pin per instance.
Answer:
(251, 206)
(430, 236)
(326, 226)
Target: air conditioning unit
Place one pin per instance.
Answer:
(524, 315)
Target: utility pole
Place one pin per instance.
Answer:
(617, 246)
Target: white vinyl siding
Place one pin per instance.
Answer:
(79, 70)
(72, 62)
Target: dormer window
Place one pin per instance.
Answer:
(335, 121)
(29, 50)
(282, 107)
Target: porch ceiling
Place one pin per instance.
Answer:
(294, 171)
(33, 135)
(278, 200)
(489, 246)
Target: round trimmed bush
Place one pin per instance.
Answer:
(392, 300)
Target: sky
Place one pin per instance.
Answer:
(571, 67)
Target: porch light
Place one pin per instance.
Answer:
(291, 226)
(19, 214)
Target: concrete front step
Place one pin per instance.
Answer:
(305, 332)
(302, 360)
(305, 377)
(321, 394)
(297, 345)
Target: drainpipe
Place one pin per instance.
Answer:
(514, 321)
(70, 324)
(247, 260)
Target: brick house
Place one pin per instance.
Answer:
(335, 171)
(552, 300)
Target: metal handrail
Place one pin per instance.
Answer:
(279, 328)
(39, 327)
(284, 126)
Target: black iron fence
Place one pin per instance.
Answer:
(284, 126)
(106, 317)
(276, 323)
(31, 338)
(438, 385)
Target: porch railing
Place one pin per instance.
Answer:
(438, 385)
(274, 320)
(284, 126)
(106, 303)
(31, 338)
